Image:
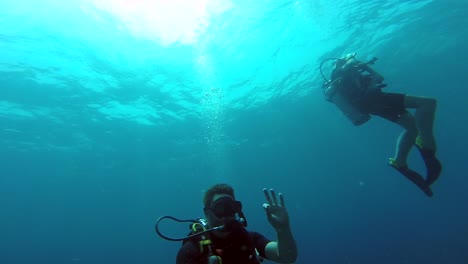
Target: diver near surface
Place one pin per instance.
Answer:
(222, 238)
(356, 89)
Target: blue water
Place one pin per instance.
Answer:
(113, 113)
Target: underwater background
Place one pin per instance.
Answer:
(114, 113)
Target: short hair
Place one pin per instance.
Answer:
(221, 188)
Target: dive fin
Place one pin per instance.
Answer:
(433, 165)
(413, 176)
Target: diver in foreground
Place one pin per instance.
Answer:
(356, 89)
(222, 237)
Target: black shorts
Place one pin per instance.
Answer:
(390, 106)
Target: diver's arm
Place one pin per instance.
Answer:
(284, 250)
(378, 77)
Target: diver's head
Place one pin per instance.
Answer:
(221, 208)
(342, 61)
(350, 56)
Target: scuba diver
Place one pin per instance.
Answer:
(222, 238)
(356, 89)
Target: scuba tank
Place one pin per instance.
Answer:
(334, 92)
(347, 108)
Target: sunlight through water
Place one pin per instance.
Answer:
(162, 21)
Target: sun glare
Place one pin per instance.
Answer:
(164, 21)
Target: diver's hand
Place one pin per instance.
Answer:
(276, 212)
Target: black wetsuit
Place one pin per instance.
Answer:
(235, 249)
(368, 99)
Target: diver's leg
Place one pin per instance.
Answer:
(404, 144)
(407, 138)
(425, 115)
(391, 107)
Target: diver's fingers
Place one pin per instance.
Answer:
(281, 199)
(267, 195)
(273, 195)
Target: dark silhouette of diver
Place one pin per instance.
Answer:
(356, 89)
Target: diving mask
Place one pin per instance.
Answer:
(225, 207)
